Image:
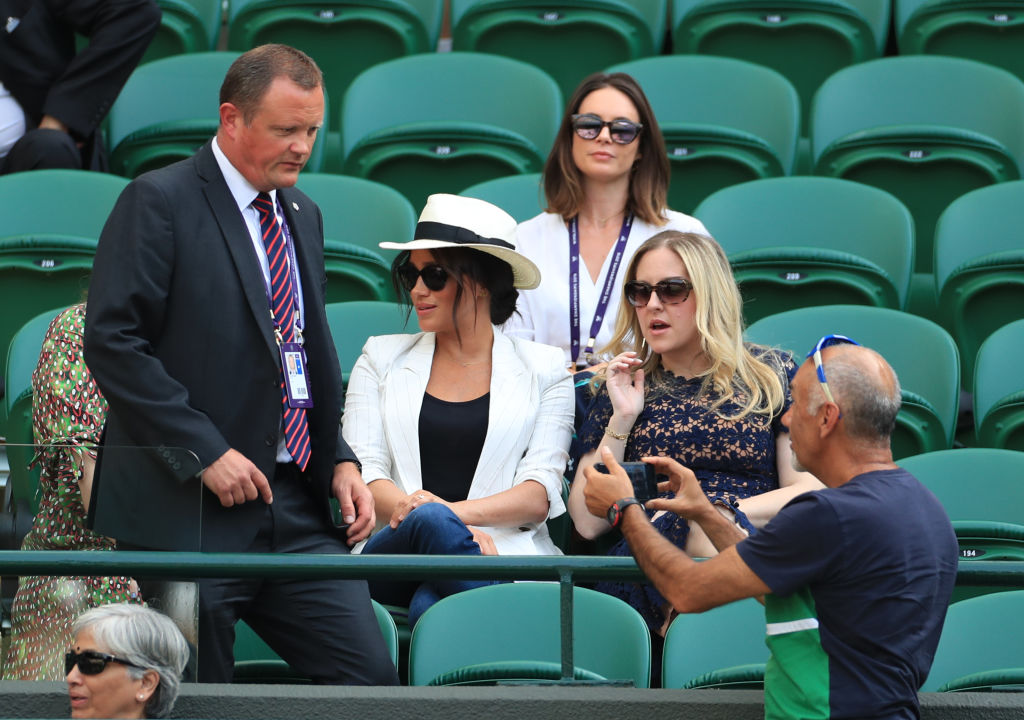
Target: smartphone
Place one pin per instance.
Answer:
(645, 484)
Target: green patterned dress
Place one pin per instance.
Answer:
(67, 410)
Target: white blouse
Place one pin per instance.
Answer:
(529, 428)
(544, 312)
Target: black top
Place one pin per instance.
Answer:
(451, 439)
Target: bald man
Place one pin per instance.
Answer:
(855, 578)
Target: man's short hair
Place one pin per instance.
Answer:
(251, 75)
(869, 404)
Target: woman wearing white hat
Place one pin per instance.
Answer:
(462, 432)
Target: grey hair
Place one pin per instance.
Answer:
(869, 405)
(146, 638)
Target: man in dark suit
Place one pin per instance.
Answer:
(54, 96)
(205, 324)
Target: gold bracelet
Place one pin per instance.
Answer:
(617, 436)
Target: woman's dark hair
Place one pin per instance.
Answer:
(648, 188)
(467, 265)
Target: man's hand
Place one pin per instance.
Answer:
(355, 500)
(601, 491)
(689, 502)
(234, 480)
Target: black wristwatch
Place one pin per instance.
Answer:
(614, 514)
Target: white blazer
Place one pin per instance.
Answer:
(529, 426)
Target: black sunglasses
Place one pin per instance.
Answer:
(92, 662)
(434, 277)
(589, 126)
(671, 291)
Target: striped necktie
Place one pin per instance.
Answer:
(282, 302)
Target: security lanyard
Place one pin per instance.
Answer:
(606, 291)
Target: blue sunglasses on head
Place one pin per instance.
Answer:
(827, 341)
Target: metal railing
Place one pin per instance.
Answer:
(565, 569)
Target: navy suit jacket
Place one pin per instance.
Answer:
(179, 338)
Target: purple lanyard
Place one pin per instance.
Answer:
(293, 270)
(606, 291)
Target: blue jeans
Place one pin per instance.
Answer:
(430, 529)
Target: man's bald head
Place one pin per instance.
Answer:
(865, 388)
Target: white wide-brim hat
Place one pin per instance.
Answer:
(456, 221)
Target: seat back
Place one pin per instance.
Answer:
(806, 241)
(369, 33)
(361, 212)
(992, 33)
(352, 323)
(568, 39)
(46, 247)
(444, 121)
(725, 121)
(256, 662)
(967, 481)
(979, 265)
(168, 109)
(923, 355)
(22, 358)
(980, 638)
(999, 389)
(891, 123)
(723, 648)
(521, 196)
(480, 634)
(804, 40)
(186, 26)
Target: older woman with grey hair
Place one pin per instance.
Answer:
(126, 662)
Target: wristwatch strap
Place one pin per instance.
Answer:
(618, 508)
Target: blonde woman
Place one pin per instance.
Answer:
(683, 384)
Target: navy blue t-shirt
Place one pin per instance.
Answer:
(867, 569)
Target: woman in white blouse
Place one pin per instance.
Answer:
(605, 181)
(462, 432)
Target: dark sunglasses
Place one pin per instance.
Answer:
(92, 662)
(671, 291)
(589, 126)
(434, 277)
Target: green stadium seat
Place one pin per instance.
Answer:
(511, 631)
(168, 109)
(344, 37)
(923, 355)
(979, 265)
(186, 26)
(361, 212)
(353, 322)
(721, 648)
(256, 662)
(521, 196)
(927, 129)
(725, 121)
(438, 123)
(805, 40)
(980, 646)
(991, 32)
(805, 241)
(999, 389)
(568, 39)
(982, 490)
(47, 247)
(355, 274)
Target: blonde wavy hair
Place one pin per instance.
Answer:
(734, 369)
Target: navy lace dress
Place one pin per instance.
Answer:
(732, 459)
